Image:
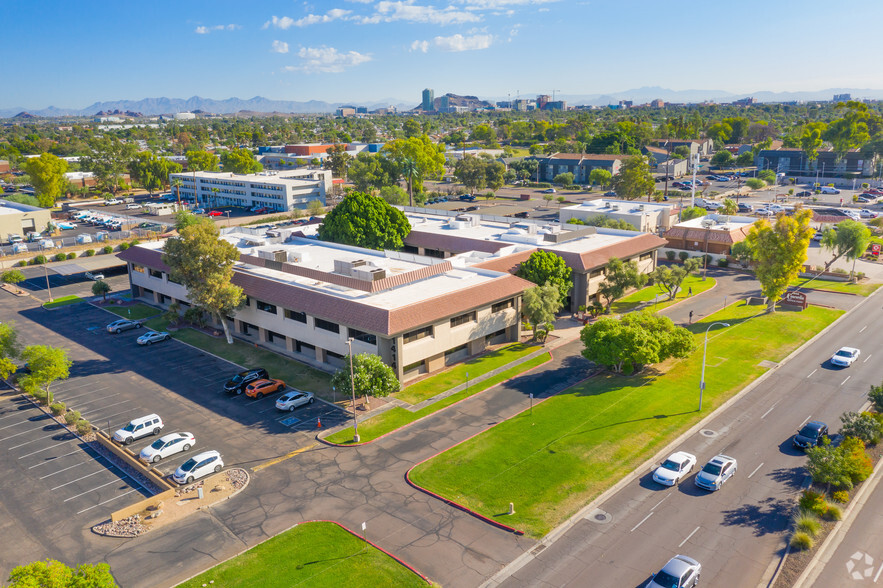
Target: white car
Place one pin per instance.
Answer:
(167, 445)
(845, 356)
(865, 213)
(764, 212)
(133, 206)
(294, 398)
(95, 276)
(674, 469)
(829, 190)
(198, 466)
(680, 572)
(137, 428)
(717, 471)
(153, 337)
(67, 226)
(112, 201)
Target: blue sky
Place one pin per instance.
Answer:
(71, 54)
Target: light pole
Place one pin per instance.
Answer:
(704, 354)
(46, 273)
(227, 212)
(349, 342)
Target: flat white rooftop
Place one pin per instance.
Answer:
(721, 222)
(620, 206)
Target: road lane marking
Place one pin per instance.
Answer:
(289, 455)
(812, 372)
(863, 329)
(642, 522)
(755, 470)
(867, 358)
(78, 479)
(660, 502)
(117, 481)
(770, 408)
(688, 537)
(804, 421)
(844, 381)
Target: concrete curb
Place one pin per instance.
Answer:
(556, 533)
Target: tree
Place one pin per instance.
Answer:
(633, 179)
(101, 288)
(565, 179)
(755, 183)
(604, 221)
(850, 240)
(692, 212)
(672, 277)
(875, 395)
(240, 161)
(410, 171)
(202, 161)
(729, 206)
(185, 218)
(365, 221)
(108, 158)
(13, 276)
(539, 304)
(338, 160)
(411, 128)
(744, 159)
(635, 340)
(842, 466)
(742, 252)
(152, 172)
(203, 263)
(780, 251)
(371, 376)
(47, 364)
(619, 277)
(811, 141)
(768, 176)
(47, 176)
(600, 177)
(54, 574)
(476, 173)
(315, 208)
(428, 157)
(861, 426)
(368, 171)
(9, 349)
(545, 267)
(394, 195)
(722, 158)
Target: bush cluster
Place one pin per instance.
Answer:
(107, 249)
(841, 496)
(60, 257)
(83, 427)
(58, 408)
(89, 252)
(802, 541)
(72, 255)
(72, 417)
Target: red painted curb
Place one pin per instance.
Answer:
(332, 444)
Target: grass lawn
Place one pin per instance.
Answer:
(580, 442)
(862, 289)
(397, 417)
(136, 312)
(63, 301)
(310, 554)
(648, 294)
(429, 387)
(293, 373)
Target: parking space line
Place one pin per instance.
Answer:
(47, 448)
(62, 470)
(94, 400)
(78, 479)
(51, 459)
(289, 455)
(88, 393)
(92, 490)
(61, 390)
(114, 414)
(17, 434)
(41, 418)
(108, 500)
(14, 413)
(66, 432)
(91, 410)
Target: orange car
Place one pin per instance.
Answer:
(260, 388)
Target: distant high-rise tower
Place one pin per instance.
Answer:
(428, 99)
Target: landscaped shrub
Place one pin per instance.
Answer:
(23, 262)
(134, 242)
(858, 462)
(841, 496)
(89, 252)
(875, 395)
(40, 259)
(670, 255)
(107, 249)
(862, 426)
(813, 502)
(834, 513)
(839, 270)
(683, 255)
(60, 257)
(72, 255)
(72, 417)
(801, 541)
(83, 427)
(57, 408)
(807, 522)
(124, 246)
(723, 262)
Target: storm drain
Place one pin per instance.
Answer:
(599, 516)
(708, 433)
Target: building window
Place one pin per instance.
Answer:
(362, 336)
(413, 366)
(454, 350)
(300, 317)
(137, 268)
(302, 347)
(417, 334)
(276, 338)
(646, 256)
(334, 355)
(155, 274)
(247, 302)
(503, 305)
(596, 274)
(463, 319)
(494, 335)
(327, 325)
(266, 307)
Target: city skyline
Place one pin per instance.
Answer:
(376, 51)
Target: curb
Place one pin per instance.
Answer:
(553, 535)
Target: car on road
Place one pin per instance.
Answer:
(95, 276)
(294, 398)
(804, 194)
(198, 211)
(112, 201)
(153, 337)
(167, 445)
(549, 191)
(260, 388)
(137, 428)
(237, 384)
(215, 213)
(610, 194)
(673, 470)
(830, 190)
(680, 572)
(198, 466)
(810, 434)
(717, 471)
(123, 325)
(845, 356)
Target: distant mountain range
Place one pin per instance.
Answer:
(259, 104)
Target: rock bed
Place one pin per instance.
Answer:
(238, 478)
(128, 527)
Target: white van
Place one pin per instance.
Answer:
(137, 428)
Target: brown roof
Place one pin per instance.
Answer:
(713, 235)
(656, 149)
(506, 263)
(452, 243)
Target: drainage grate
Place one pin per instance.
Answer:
(599, 516)
(536, 550)
(708, 433)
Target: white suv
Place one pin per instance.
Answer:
(830, 190)
(140, 427)
(198, 466)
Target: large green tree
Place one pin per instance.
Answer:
(633, 179)
(47, 365)
(108, 158)
(364, 220)
(620, 276)
(240, 161)
(9, 349)
(152, 172)
(539, 304)
(338, 160)
(394, 195)
(47, 176)
(368, 172)
(203, 262)
(372, 377)
(477, 173)
(546, 267)
(849, 240)
(428, 158)
(600, 177)
(671, 277)
(54, 574)
(202, 161)
(779, 251)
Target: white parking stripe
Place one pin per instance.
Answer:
(90, 411)
(64, 470)
(47, 448)
(53, 434)
(22, 433)
(78, 479)
(101, 399)
(43, 418)
(108, 500)
(117, 481)
(63, 389)
(51, 459)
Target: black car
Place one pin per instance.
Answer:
(237, 384)
(810, 435)
(744, 207)
(804, 194)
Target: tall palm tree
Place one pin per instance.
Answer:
(177, 185)
(410, 170)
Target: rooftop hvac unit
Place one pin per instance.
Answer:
(369, 274)
(640, 207)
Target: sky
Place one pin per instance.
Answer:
(72, 54)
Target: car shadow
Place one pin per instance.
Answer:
(827, 365)
(688, 486)
(770, 515)
(787, 447)
(649, 483)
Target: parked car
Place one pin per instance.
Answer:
(810, 434)
(260, 388)
(84, 238)
(717, 471)
(215, 213)
(133, 206)
(711, 205)
(467, 198)
(610, 193)
(112, 201)
(742, 207)
(764, 212)
(673, 470)
(19, 248)
(167, 445)
(66, 226)
(865, 199)
(261, 210)
(95, 276)
(123, 325)
(15, 238)
(198, 466)
(830, 190)
(865, 213)
(294, 398)
(153, 337)
(803, 194)
(845, 356)
(137, 428)
(237, 384)
(198, 211)
(680, 572)
(549, 191)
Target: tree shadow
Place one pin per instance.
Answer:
(542, 384)
(792, 478)
(768, 516)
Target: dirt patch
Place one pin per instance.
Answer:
(15, 290)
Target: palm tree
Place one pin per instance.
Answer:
(215, 196)
(409, 170)
(177, 185)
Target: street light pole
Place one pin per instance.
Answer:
(349, 342)
(704, 354)
(46, 273)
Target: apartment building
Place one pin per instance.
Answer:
(279, 191)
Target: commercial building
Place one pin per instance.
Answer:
(428, 100)
(579, 164)
(647, 217)
(794, 162)
(21, 219)
(278, 191)
(713, 233)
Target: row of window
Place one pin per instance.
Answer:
(272, 187)
(462, 319)
(319, 323)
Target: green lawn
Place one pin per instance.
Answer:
(63, 301)
(136, 311)
(580, 442)
(455, 376)
(310, 554)
(293, 373)
(862, 289)
(397, 417)
(648, 294)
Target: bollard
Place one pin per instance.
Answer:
(199, 494)
(511, 508)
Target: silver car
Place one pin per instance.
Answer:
(680, 572)
(717, 471)
(123, 325)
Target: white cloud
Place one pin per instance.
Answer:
(279, 23)
(497, 4)
(279, 47)
(286, 22)
(406, 10)
(422, 46)
(514, 32)
(455, 43)
(327, 60)
(201, 30)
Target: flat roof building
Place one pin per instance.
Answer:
(279, 191)
(712, 233)
(647, 217)
(21, 219)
